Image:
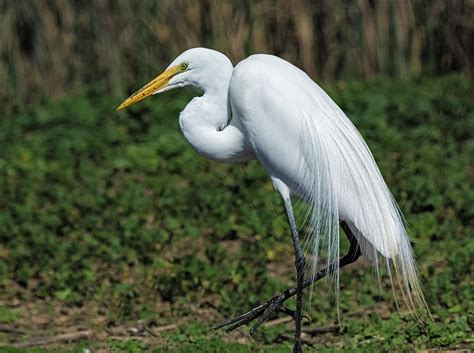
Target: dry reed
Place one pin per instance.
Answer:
(50, 47)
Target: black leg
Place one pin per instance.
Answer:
(352, 255)
(299, 265)
(264, 310)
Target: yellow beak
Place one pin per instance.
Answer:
(151, 87)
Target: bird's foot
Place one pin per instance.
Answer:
(263, 312)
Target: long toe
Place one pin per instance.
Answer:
(263, 312)
(235, 322)
(265, 316)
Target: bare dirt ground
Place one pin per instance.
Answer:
(51, 323)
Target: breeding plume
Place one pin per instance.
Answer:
(265, 108)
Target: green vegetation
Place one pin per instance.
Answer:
(114, 215)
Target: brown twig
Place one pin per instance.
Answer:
(278, 321)
(320, 330)
(9, 329)
(304, 338)
(65, 337)
(163, 328)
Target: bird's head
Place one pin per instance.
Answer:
(200, 67)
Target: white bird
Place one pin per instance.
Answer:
(267, 109)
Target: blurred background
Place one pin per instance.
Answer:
(114, 232)
(51, 47)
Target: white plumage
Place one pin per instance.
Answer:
(268, 109)
(304, 139)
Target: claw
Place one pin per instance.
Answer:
(308, 319)
(262, 312)
(243, 319)
(264, 317)
(242, 322)
(236, 320)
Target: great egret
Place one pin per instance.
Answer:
(267, 109)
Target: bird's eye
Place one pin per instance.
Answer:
(184, 66)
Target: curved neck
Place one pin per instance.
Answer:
(204, 123)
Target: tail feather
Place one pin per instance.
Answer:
(341, 181)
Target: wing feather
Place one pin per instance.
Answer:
(351, 188)
(305, 140)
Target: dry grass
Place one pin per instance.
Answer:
(49, 47)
